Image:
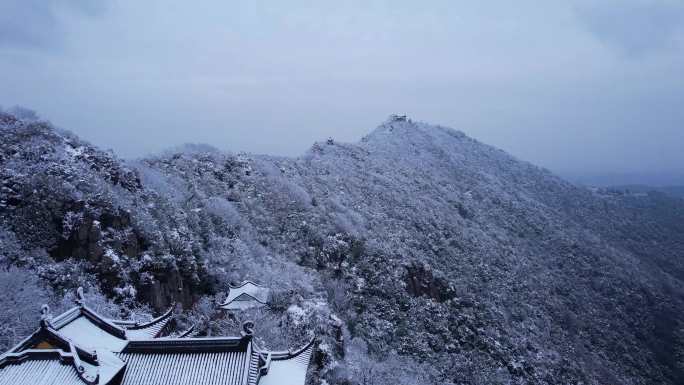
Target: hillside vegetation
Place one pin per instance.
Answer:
(416, 256)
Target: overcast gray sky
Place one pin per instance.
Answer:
(579, 87)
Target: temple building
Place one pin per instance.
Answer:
(245, 296)
(81, 324)
(81, 347)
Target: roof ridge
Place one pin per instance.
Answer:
(137, 326)
(117, 328)
(248, 295)
(91, 355)
(70, 357)
(62, 319)
(105, 323)
(245, 283)
(191, 342)
(187, 333)
(290, 353)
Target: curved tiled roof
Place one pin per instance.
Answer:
(59, 367)
(89, 332)
(87, 328)
(46, 334)
(81, 310)
(173, 361)
(159, 361)
(209, 361)
(150, 329)
(81, 347)
(246, 295)
(44, 367)
(189, 332)
(287, 368)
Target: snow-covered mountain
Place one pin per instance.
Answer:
(417, 255)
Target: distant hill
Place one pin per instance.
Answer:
(675, 191)
(671, 178)
(417, 255)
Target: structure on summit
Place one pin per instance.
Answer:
(81, 347)
(245, 296)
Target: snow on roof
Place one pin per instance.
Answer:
(77, 312)
(288, 368)
(245, 296)
(85, 327)
(225, 368)
(80, 346)
(85, 332)
(108, 366)
(47, 344)
(189, 332)
(48, 338)
(167, 361)
(225, 361)
(173, 361)
(58, 367)
(38, 367)
(150, 329)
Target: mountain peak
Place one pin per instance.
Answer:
(489, 253)
(400, 129)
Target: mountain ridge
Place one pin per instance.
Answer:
(417, 248)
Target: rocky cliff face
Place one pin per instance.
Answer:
(418, 255)
(73, 202)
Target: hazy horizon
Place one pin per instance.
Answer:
(585, 89)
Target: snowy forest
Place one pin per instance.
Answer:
(415, 256)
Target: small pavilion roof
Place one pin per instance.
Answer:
(244, 296)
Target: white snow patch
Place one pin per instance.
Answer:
(111, 254)
(296, 314)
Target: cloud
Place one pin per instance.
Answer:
(37, 23)
(274, 76)
(634, 27)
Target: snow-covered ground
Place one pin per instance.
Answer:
(417, 255)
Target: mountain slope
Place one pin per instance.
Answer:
(560, 279)
(418, 255)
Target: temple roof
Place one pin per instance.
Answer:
(57, 360)
(81, 347)
(288, 368)
(244, 296)
(158, 361)
(41, 367)
(87, 328)
(48, 338)
(224, 361)
(150, 329)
